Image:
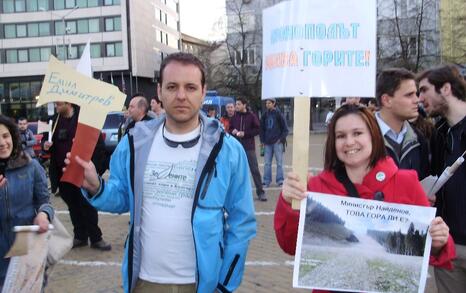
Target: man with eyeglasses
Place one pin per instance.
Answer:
(443, 94)
(396, 94)
(186, 185)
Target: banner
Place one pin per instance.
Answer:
(319, 48)
(352, 244)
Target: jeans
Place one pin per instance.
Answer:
(269, 151)
(254, 167)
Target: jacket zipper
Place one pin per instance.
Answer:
(131, 233)
(231, 269)
(212, 156)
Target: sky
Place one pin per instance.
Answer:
(199, 18)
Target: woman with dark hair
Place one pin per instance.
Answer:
(24, 196)
(356, 165)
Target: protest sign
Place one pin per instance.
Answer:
(95, 98)
(352, 244)
(26, 273)
(319, 49)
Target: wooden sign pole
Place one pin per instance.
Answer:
(301, 141)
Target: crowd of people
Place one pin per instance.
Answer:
(184, 177)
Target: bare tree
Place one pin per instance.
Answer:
(408, 34)
(240, 68)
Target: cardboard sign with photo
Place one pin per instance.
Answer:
(352, 244)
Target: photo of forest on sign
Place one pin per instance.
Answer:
(336, 254)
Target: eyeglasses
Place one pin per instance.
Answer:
(185, 144)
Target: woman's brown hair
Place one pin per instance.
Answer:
(332, 163)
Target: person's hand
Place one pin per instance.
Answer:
(2, 181)
(47, 145)
(42, 220)
(439, 232)
(91, 180)
(240, 134)
(234, 132)
(293, 188)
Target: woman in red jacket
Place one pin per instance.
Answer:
(355, 150)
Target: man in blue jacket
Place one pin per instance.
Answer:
(273, 132)
(186, 186)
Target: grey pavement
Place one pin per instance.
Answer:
(268, 268)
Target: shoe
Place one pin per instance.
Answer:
(79, 243)
(265, 185)
(262, 197)
(280, 183)
(101, 245)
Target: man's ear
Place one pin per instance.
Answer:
(158, 91)
(445, 90)
(385, 100)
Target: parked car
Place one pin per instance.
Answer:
(110, 130)
(216, 101)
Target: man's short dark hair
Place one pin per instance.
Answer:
(389, 81)
(142, 103)
(22, 118)
(441, 75)
(185, 59)
(157, 100)
(242, 100)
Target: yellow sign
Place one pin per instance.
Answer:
(96, 98)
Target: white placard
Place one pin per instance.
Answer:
(319, 48)
(357, 245)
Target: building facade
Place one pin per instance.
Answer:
(453, 32)
(128, 41)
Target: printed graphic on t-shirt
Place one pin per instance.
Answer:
(168, 182)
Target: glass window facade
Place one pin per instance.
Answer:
(45, 54)
(58, 4)
(8, 6)
(33, 29)
(113, 49)
(11, 56)
(32, 5)
(23, 55)
(44, 29)
(83, 26)
(21, 31)
(10, 31)
(96, 51)
(34, 55)
(94, 25)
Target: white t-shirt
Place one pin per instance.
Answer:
(167, 245)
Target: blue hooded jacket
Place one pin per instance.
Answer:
(222, 218)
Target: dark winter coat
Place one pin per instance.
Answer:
(249, 123)
(451, 199)
(414, 152)
(273, 127)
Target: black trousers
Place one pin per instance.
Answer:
(254, 167)
(83, 216)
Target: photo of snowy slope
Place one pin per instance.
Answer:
(362, 245)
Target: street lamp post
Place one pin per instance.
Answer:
(65, 29)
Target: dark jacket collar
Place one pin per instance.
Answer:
(20, 161)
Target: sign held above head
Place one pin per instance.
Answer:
(95, 98)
